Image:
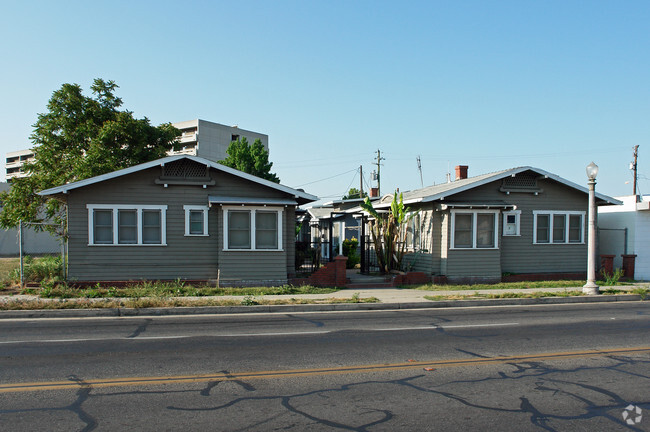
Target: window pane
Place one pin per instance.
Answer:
(543, 228)
(239, 230)
(575, 228)
(196, 222)
(485, 230)
(103, 226)
(266, 230)
(416, 231)
(463, 231)
(127, 227)
(559, 228)
(151, 229)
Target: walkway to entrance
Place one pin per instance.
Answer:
(357, 280)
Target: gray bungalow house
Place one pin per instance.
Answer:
(521, 221)
(180, 217)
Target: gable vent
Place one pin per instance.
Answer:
(184, 171)
(524, 182)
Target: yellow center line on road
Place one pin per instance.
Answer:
(180, 379)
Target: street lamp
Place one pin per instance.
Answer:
(590, 287)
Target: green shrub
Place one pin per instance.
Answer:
(350, 251)
(611, 279)
(47, 268)
(641, 292)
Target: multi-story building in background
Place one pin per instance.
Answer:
(15, 161)
(211, 140)
(199, 138)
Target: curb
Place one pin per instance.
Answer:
(329, 307)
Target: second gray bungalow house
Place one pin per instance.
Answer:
(522, 221)
(180, 217)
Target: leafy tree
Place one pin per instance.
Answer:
(77, 138)
(251, 159)
(388, 232)
(354, 193)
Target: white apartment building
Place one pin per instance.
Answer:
(15, 161)
(211, 140)
(199, 138)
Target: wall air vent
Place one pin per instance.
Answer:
(185, 172)
(523, 183)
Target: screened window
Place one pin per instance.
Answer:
(474, 229)
(413, 232)
(575, 229)
(239, 230)
(463, 232)
(196, 220)
(103, 223)
(266, 230)
(559, 227)
(485, 230)
(543, 224)
(252, 228)
(126, 224)
(151, 227)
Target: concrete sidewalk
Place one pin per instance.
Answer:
(388, 298)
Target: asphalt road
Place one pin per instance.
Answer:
(560, 367)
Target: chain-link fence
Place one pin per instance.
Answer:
(39, 254)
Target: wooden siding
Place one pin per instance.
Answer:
(252, 265)
(184, 257)
(474, 263)
(518, 254)
(426, 260)
(289, 239)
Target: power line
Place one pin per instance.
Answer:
(316, 181)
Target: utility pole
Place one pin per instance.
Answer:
(636, 154)
(360, 181)
(378, 163)
(420, 169)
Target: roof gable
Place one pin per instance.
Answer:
(446, 190)
(302, 196)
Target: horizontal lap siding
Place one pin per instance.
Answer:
(183, 257)
(426, 260)
(253, 265)
(290, 239)
(518, 253)
(474, 262)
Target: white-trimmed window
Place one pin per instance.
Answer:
(124, 225)
(196, 220)
(511, 223)
(558, 227)
(413, 233)
(252, 228)
(474, 229)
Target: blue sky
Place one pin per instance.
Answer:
(489, 84)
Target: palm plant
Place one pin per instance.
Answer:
(388, 232)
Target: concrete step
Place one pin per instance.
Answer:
(365, 285)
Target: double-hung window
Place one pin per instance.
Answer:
(116, 225)
(474, 229)
(252, 228)
(413, 232)
(558, 227)
(196, 220)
